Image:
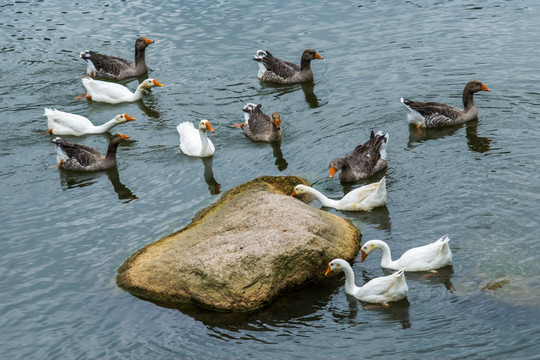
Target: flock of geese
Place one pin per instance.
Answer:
(364, 161)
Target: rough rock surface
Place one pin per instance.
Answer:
(242, 252)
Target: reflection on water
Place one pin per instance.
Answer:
(213, 185)
(280, 162)
(121, 190)
(309, 94)
(440, 276)
(77, 179)
(476, 143)
(419, 135)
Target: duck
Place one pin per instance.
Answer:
(105, 91)
(275, 70)
(116, 68)
(366, 160)
(381, 290)
(193, 142)
(363, 198)
(423, 258)
(84, 158)
(63, 123)
(260, 127)
(434, 114)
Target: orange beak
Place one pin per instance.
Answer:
(148, 41)
(332, 172)
(277, 122)
(364, 255)
(317, 56)
(327, 270)
(129, 118)
(50, 131)
(293, 192)
(157, 83)
(124, 137)
(208, 127)
(485, 88)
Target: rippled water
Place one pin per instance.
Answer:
(64, 235)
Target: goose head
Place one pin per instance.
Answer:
(122, 118)
(335, 165)
(149, 83)
(367, 249)
(474, 86)
(335, 265)
(204, 125)
(276, 120)
(142, 42)
(299, 189)
(118, 138)
(310, 54)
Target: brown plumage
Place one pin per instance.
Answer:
(434, 114)
(366, 159)
(84, 158)
(116, 68)
(280, 71)
(259, 126)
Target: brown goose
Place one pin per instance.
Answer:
(84, 158)
(115, 68)
(279, 71)
(434, 114)
(259, 126)
(366, 160)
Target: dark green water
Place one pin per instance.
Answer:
(64, 235)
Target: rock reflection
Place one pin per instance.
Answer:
(213, 185)
(280, 162)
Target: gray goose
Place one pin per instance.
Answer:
(84, 158)
(366, 159)
(259, 126)
(116, 68)
(434, 114)
(275, 70)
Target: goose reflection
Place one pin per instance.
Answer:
(76, 179)
(309, 94)
(419, 135)
(476, 143)
(213, 185)
(280, 162)
(440, 276)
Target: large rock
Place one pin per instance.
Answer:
(242, 252)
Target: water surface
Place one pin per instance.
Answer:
(64, 234)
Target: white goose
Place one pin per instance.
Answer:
(193, 142)
(423, 258)
(63, 123)
(104, 91)
(364, 198)
(381, 290)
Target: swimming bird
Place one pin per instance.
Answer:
(195, 142)
(381, 290)
(63, 123)
(112, 93)
(116, 68)
(275, 70)
(434, 114)
(259, 126)
(84, 158)
(363, 198)
(366, 160)
(423, 258)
